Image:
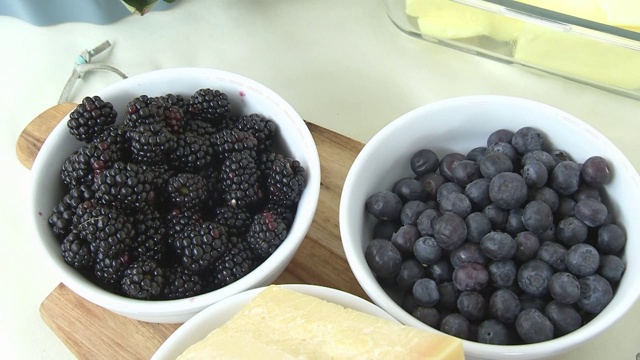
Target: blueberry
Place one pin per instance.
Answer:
(560, 156)
(498, 245)
(535, 174)
(553, 253)
(466, 171)
(424, 161)
(546, 195)
(504, 305)
(595, 171)
(448, 162)
(565, 207)
(537, 216)
(497, 216)
(425, 292)
(383, 258)
(527, 246)
(448, 296)
(541, 156)
(508, 190)
(441, 271)
(470, 276)
(592, 212)
(476, 153)
(495, 163)
(595, 293)
(431, 183)
(533, 302)
(611, 239)
(534, 276)
(502, 273)
(564, 287)
(404, 238)
(548, 235)
(426, 250)
(478, 225)
(456, 325)
(611, 268)
(384, 205)
(410, 189)
(467, 252)
(445, 190)
(492, 331)
(384, 229)
(514, 223)
(456, 203)
(478, 193)
(527, 139)
(504, 148)
(472, 305)
(411, 271)
(582, 259)
(428, 315)
(411, 211)
(533, 326)
(586, 192)
(500, 135)
(450, 231)
(565, 177)
(564, 318)
(425, 221)
(571, 231)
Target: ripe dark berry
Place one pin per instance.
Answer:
(209, 104)
(383, 258)
(405, 238)
(200, 245)
(582, 260)
(186, 190)
(384, 205)
(90, 118)
(508, 190)
(266, 232)
(527, 139)
(125, 185)
(534, 277)
(285, 182)
(424, 161)
(450, 231)
(595, 171)
(143, 280)
(595, 293)
(564, 288)
(470, 276)
(533, 326)
(425, 292)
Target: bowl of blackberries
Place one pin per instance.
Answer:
(502, 221)
(173, 189)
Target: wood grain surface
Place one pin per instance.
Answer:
(91, 332)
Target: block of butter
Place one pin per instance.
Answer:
(280, 323)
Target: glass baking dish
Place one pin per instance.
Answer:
(594, 42)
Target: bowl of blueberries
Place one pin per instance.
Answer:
(502, 221)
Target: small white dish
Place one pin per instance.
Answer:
(199, 326)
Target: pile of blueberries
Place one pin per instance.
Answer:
(511, 243)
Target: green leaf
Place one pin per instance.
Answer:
(139, 7)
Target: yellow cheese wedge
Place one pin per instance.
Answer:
(283, 324)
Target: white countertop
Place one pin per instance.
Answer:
(342, 64)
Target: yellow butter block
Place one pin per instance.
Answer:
(579, 56)
(283, 324)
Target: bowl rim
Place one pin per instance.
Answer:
(302, 223)
(355, 255)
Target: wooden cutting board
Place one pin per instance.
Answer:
(91, 332)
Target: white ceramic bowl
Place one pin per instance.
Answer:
(247, 96)
(460, 124)
(199, 326)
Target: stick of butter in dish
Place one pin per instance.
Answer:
(279, 323)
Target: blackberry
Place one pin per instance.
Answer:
(236, 220)
(214, 198)
(126, 185)
(266, 232)
(180, 283)
(150, 143)
(90, 118)
(192, 153)
(144, 110)
(176, 100)
(61, 219)
(287, 214)
(234, 265)
(227, 141)
(200, 245)
(174, 119)
(285, 181)
(109, 231)
(262, 129)
(186, 190)
(178, 220)
(86, 163)
(118, 140)
(266, 159)
(143, 279)
(151, 235)
(160, 174)
(110, 269)
(76, 251)
(200, 128)
(239, 180)
(209, 104)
